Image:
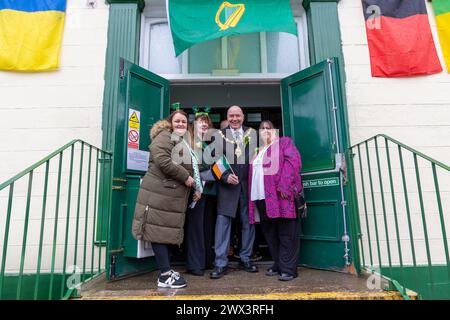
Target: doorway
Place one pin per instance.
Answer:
(259, 102)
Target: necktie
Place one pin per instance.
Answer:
(237, 136)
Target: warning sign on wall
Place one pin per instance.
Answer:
(134, 121)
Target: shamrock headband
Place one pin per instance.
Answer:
(197, 111)
(176, 106)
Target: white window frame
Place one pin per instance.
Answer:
(149, 19)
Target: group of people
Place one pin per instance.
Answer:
(198, 175)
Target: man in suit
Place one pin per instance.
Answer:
(232, 193)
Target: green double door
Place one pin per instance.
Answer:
(311, 100)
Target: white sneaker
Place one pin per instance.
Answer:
(172, 280)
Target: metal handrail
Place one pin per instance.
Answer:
(96, 190)
(436, 162)
(420, 278)
(44, 160)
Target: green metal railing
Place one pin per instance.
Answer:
(404, 208)
(48, 213)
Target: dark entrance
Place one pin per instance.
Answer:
(259, 102)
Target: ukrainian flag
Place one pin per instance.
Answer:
(31, 34)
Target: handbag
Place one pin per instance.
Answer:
(300, 204)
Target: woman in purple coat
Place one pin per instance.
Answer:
(274, 176)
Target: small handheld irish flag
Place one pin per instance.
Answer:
(220, 167)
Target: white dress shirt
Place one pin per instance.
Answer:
(257, 192)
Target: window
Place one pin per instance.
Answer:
(255, 55)
(161, 59)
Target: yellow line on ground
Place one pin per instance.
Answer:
(392, 295)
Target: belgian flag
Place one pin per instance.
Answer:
(399, 38)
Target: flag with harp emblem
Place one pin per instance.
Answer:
(197, 21)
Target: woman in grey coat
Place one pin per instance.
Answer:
(163, 196)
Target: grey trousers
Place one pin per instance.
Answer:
(223, 231)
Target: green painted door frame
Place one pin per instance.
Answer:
(124, 29)
(324, 41)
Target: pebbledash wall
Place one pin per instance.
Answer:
(40, 112)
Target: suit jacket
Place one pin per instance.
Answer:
(228, 195)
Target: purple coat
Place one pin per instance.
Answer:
(284, 178)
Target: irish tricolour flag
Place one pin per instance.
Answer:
(220, 167)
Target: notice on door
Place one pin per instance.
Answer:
(136, 159)
(320, 183)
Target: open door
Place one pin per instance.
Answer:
(143, 99)
(312, 116)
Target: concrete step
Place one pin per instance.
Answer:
(312, 284)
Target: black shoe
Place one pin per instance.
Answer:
(172, 280)
(272, 272)
(248, 266)
(196, 272)
(218, 272)
(286, 277)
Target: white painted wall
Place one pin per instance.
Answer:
(415, 111)
(40, 112)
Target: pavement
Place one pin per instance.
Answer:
(311, 284)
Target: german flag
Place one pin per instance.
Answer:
(399, 38)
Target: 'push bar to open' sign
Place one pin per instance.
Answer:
(318, 183)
